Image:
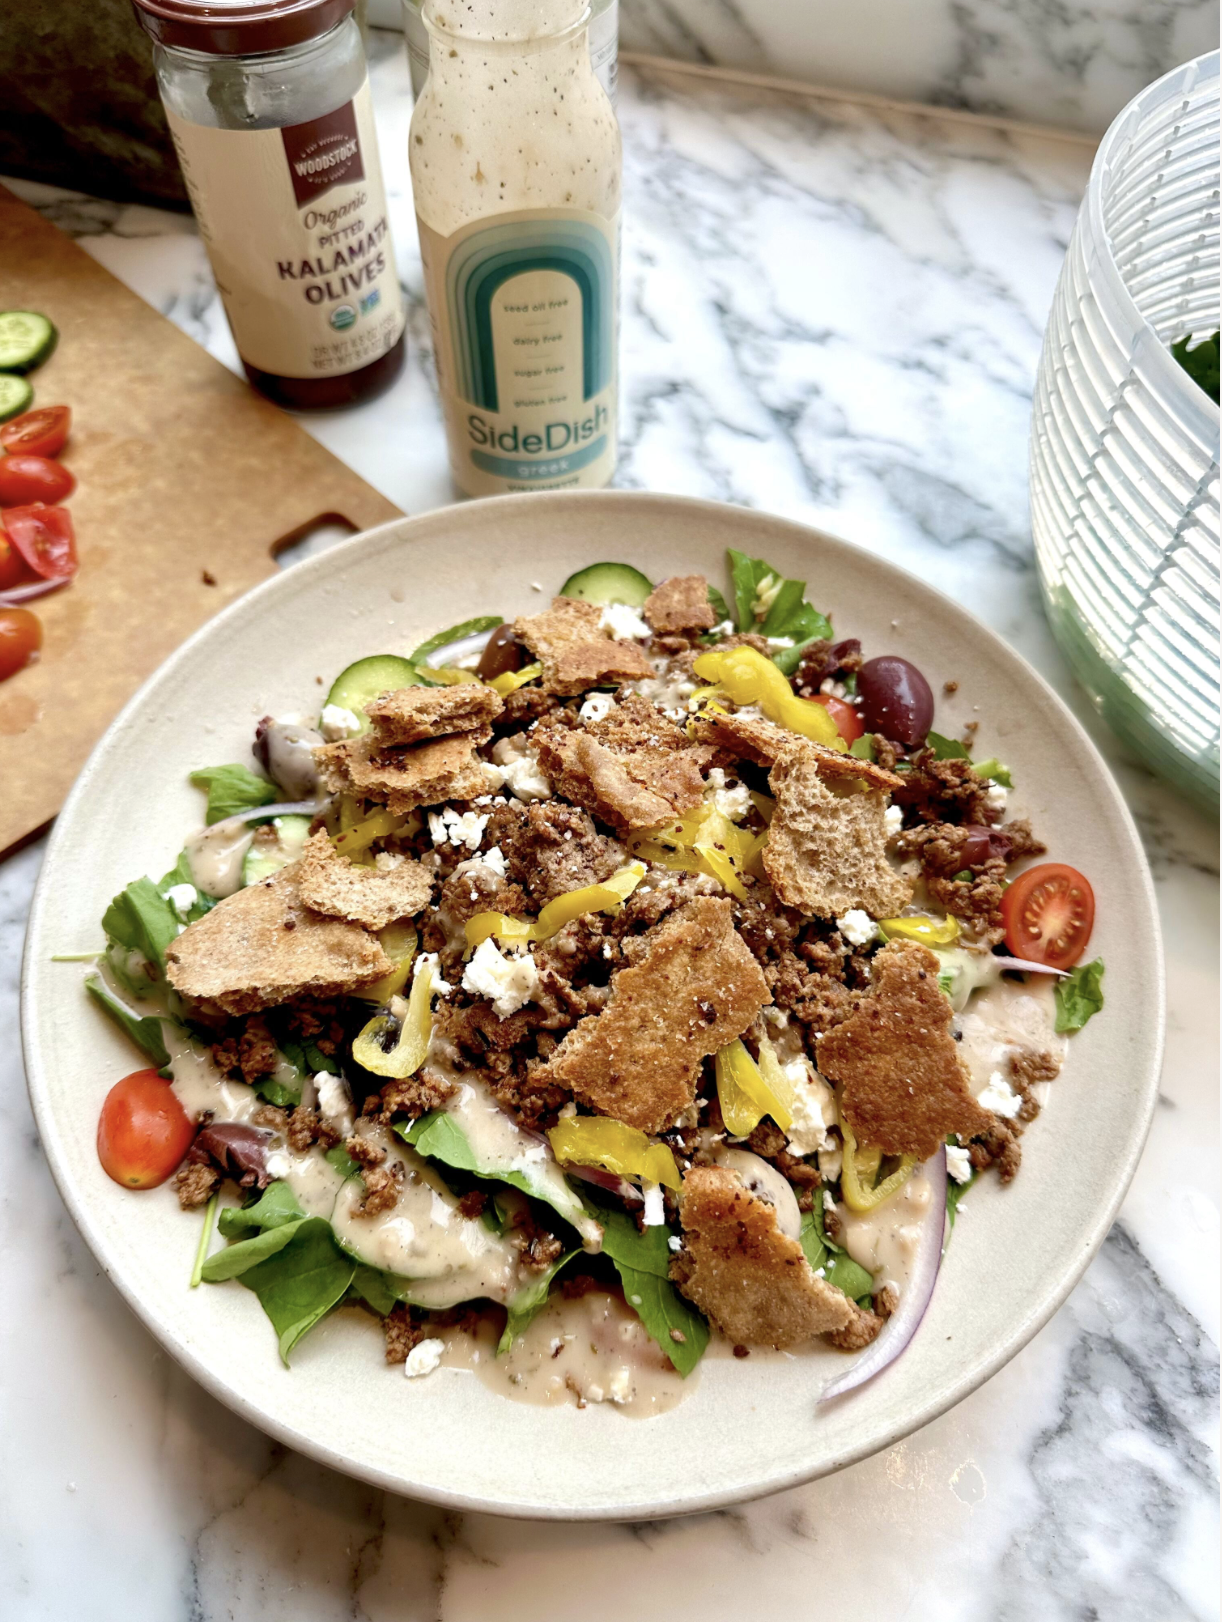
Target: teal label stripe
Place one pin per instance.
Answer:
(484, 261)
(506, 467)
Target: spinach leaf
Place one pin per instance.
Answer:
(275, 1092)
(276, 1206)
(376, 1288)
(642, 1261)
(238, 1259)
(475, 627)
(231, 788)
(719, 605)
(438, 1136)
(145, 1031)
(140, 919)
(1079, 996)
(338, 1157)
(529, 1302)
(946, 748)
(305, 1058)
(299, 1282)
(662, 1309)
(838, 1268)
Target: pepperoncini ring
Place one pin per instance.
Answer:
(860, 1167)
(510, 680)
(747, 677)
(605, 897)
(926, 931)
(415, 1030)
(598, 1140)
(744, 1095)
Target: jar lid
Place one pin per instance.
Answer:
(239, 27)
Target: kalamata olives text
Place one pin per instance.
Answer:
(895, 700)
(503, 652)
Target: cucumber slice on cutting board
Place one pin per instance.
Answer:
(275, 845)
(16, 396)
(367, 678)
(604, 583)
(26, 340)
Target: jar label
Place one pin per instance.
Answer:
(525, 328)
(297, 231)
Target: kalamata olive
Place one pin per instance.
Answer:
(236, 1148)
(895, 700)
(503, 652)
(983, 844)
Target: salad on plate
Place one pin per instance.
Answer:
(579, 995)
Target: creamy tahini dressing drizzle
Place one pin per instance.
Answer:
(215, 855)
(885, 1241)
(1004, 1020)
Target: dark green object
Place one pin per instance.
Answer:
(1200, 362)
(27, 338)
(1079, 996)
(145, 1031)
(231, 789)
(839, 1268)
(604, 583)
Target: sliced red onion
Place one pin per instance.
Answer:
(266, 813)
(25, 594)
(609, 1180)
(1028, 967)
(454, 651)
(904, 1322)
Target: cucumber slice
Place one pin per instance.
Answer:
(604, 583)
(26, 340)
(275, 845)
(367, 678)
(16, 396)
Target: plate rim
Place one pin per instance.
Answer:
(409, 530)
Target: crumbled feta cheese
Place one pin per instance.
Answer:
(779, 642)
(857, 927)
(958, 1163)
(814, 1109)
(495, 859)
(893, 820)
(618, 620)
(597, 706)
(674, 1242)
(182, 897)
(620, 1387)
(278, 1164)
(336, 723)
(831, 1163)
(334, 1100)
(386, 861)
(520, 771)
(726, 628)
(441, 988)
(733, 802)
(1000, 1097)
(423, 1358)
(457, 828)
(655, 1209)
(508, 982)
(996, 796)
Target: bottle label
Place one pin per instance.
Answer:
(296, 228)
(525, 329)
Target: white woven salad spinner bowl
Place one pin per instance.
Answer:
(1124, 444)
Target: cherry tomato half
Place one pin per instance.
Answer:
(37, 433)
(1049, 912)
(20, 640)
(45, 538)
(143, 1131)
(848, 722)
(33, 478)
(12, 564)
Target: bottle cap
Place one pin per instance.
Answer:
(239, 27)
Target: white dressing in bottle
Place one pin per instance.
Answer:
(515, 158)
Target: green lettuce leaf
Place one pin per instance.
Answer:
(1079, 996)
(231, 789)
(237, 1259)
(642, 1261)
(839, 1268)
(994, 771)
(719, 605)
(529, 1302)
(181, 873)
(946, 748)
(144, 1031)
(863, 748)
(301, 1281)
(438, 1136)
(339, 1158)
(379, 1290)
(789, 614)
(276, 1206)
(140, 919)
(475, 627)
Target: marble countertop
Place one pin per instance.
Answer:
(832, 311)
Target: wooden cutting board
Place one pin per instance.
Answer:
(188, 484)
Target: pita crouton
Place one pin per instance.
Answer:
(633, 769)
(403, 778)
(746, 737)
(574, 652)
(263, 945)
(902, 1085)
(752, 1280)
(696, 988)
(827, 843)
(397, 887)
(412, 714)
(680, 604)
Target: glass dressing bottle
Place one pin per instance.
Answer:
(268, 104)
(516, 164)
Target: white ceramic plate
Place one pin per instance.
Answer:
(750, 1427)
